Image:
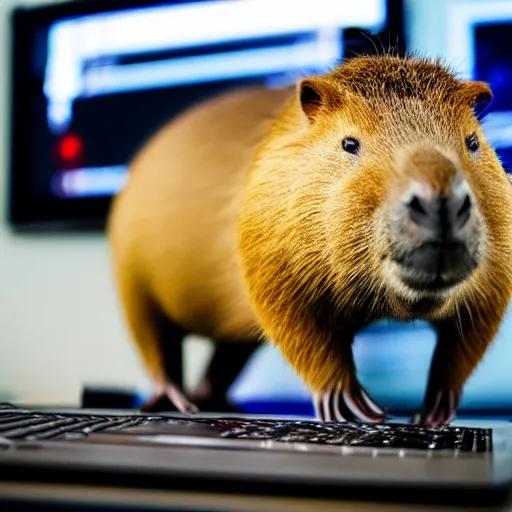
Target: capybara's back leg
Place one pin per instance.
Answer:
(228, 360)
(158, 341)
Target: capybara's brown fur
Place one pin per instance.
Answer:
(290, 215)
(173, 230)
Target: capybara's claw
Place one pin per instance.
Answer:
(439, 408)
(351, 403)
(175, 396)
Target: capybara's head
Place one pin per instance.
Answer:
(378, 189)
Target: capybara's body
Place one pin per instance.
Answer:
(303, 215)
(173, 229)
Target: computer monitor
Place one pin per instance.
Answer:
(93, 80)
(473, 37)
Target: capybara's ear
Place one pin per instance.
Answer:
(317, 94)
(478, 95)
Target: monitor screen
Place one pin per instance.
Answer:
(92, 81)
(474, 39)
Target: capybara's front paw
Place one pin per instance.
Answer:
(348, 403)
(439, 408)
(174, 395)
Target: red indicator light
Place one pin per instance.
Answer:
(70, 147)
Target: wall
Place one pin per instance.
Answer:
(60, 325)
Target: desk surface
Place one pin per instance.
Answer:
(153, 500)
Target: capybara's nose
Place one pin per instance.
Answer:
(439, 226)
(441, 218)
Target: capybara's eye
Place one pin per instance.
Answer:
(472, 143)
(350, 145)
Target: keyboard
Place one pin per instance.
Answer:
(19, 424)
